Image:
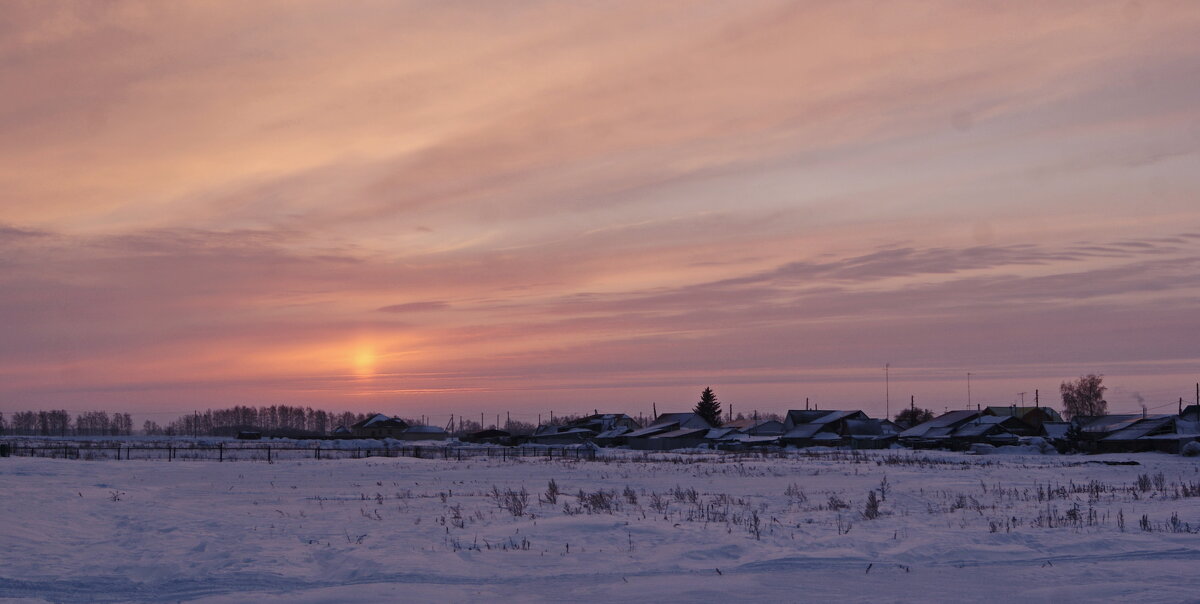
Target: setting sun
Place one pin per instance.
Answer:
(364, 360)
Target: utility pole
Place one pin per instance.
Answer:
(968, 390)
(887, 390)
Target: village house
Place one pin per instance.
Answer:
(670, 431)
(422, 433)
(989, 429)
(491, 436)
(870, 433)
(1166, 433)
(1033, 417)
(806, 428)
(561, 435)
(937, 431)
(379, 426)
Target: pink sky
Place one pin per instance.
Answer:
(454, 207)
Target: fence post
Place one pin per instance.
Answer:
(220, 452)
(318, 451)
(269, 454)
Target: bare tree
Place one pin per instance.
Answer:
(913, 416)
(1084, 397)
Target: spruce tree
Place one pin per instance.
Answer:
(709, 407)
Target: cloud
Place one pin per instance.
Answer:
(415, 306)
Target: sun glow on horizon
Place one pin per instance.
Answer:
(364, 360)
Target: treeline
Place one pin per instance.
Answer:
(278, 420)
(60, 423)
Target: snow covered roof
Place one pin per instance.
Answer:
(684, 433)
(379, 417)
(1144, 428)
(834, 416)
(615, 432)
(380, 420)
(949, 419)
(1111, 423)
(651, 430)
(1056, 430)
(672, 421)
(755, 426)
(719, 433)
(976, 428)
(937, 432)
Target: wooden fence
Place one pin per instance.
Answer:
(273, 453)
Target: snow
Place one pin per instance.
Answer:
(1006, 526)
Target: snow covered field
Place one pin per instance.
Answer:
(703, 527)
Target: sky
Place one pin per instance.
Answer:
(426, 208)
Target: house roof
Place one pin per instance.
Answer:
(490, 433)
(755, 425)
(977, 427)
(722, 432)
(651, 430)
(1106, 424)
(949, 419)
(834, 416)
(1143, 428)
(804, 416)
(684, 433)
(565, 431)
(1056, 430)
(380, 420)
(671, 421)
(1021, 412)
(938, 432)
(615, 432)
